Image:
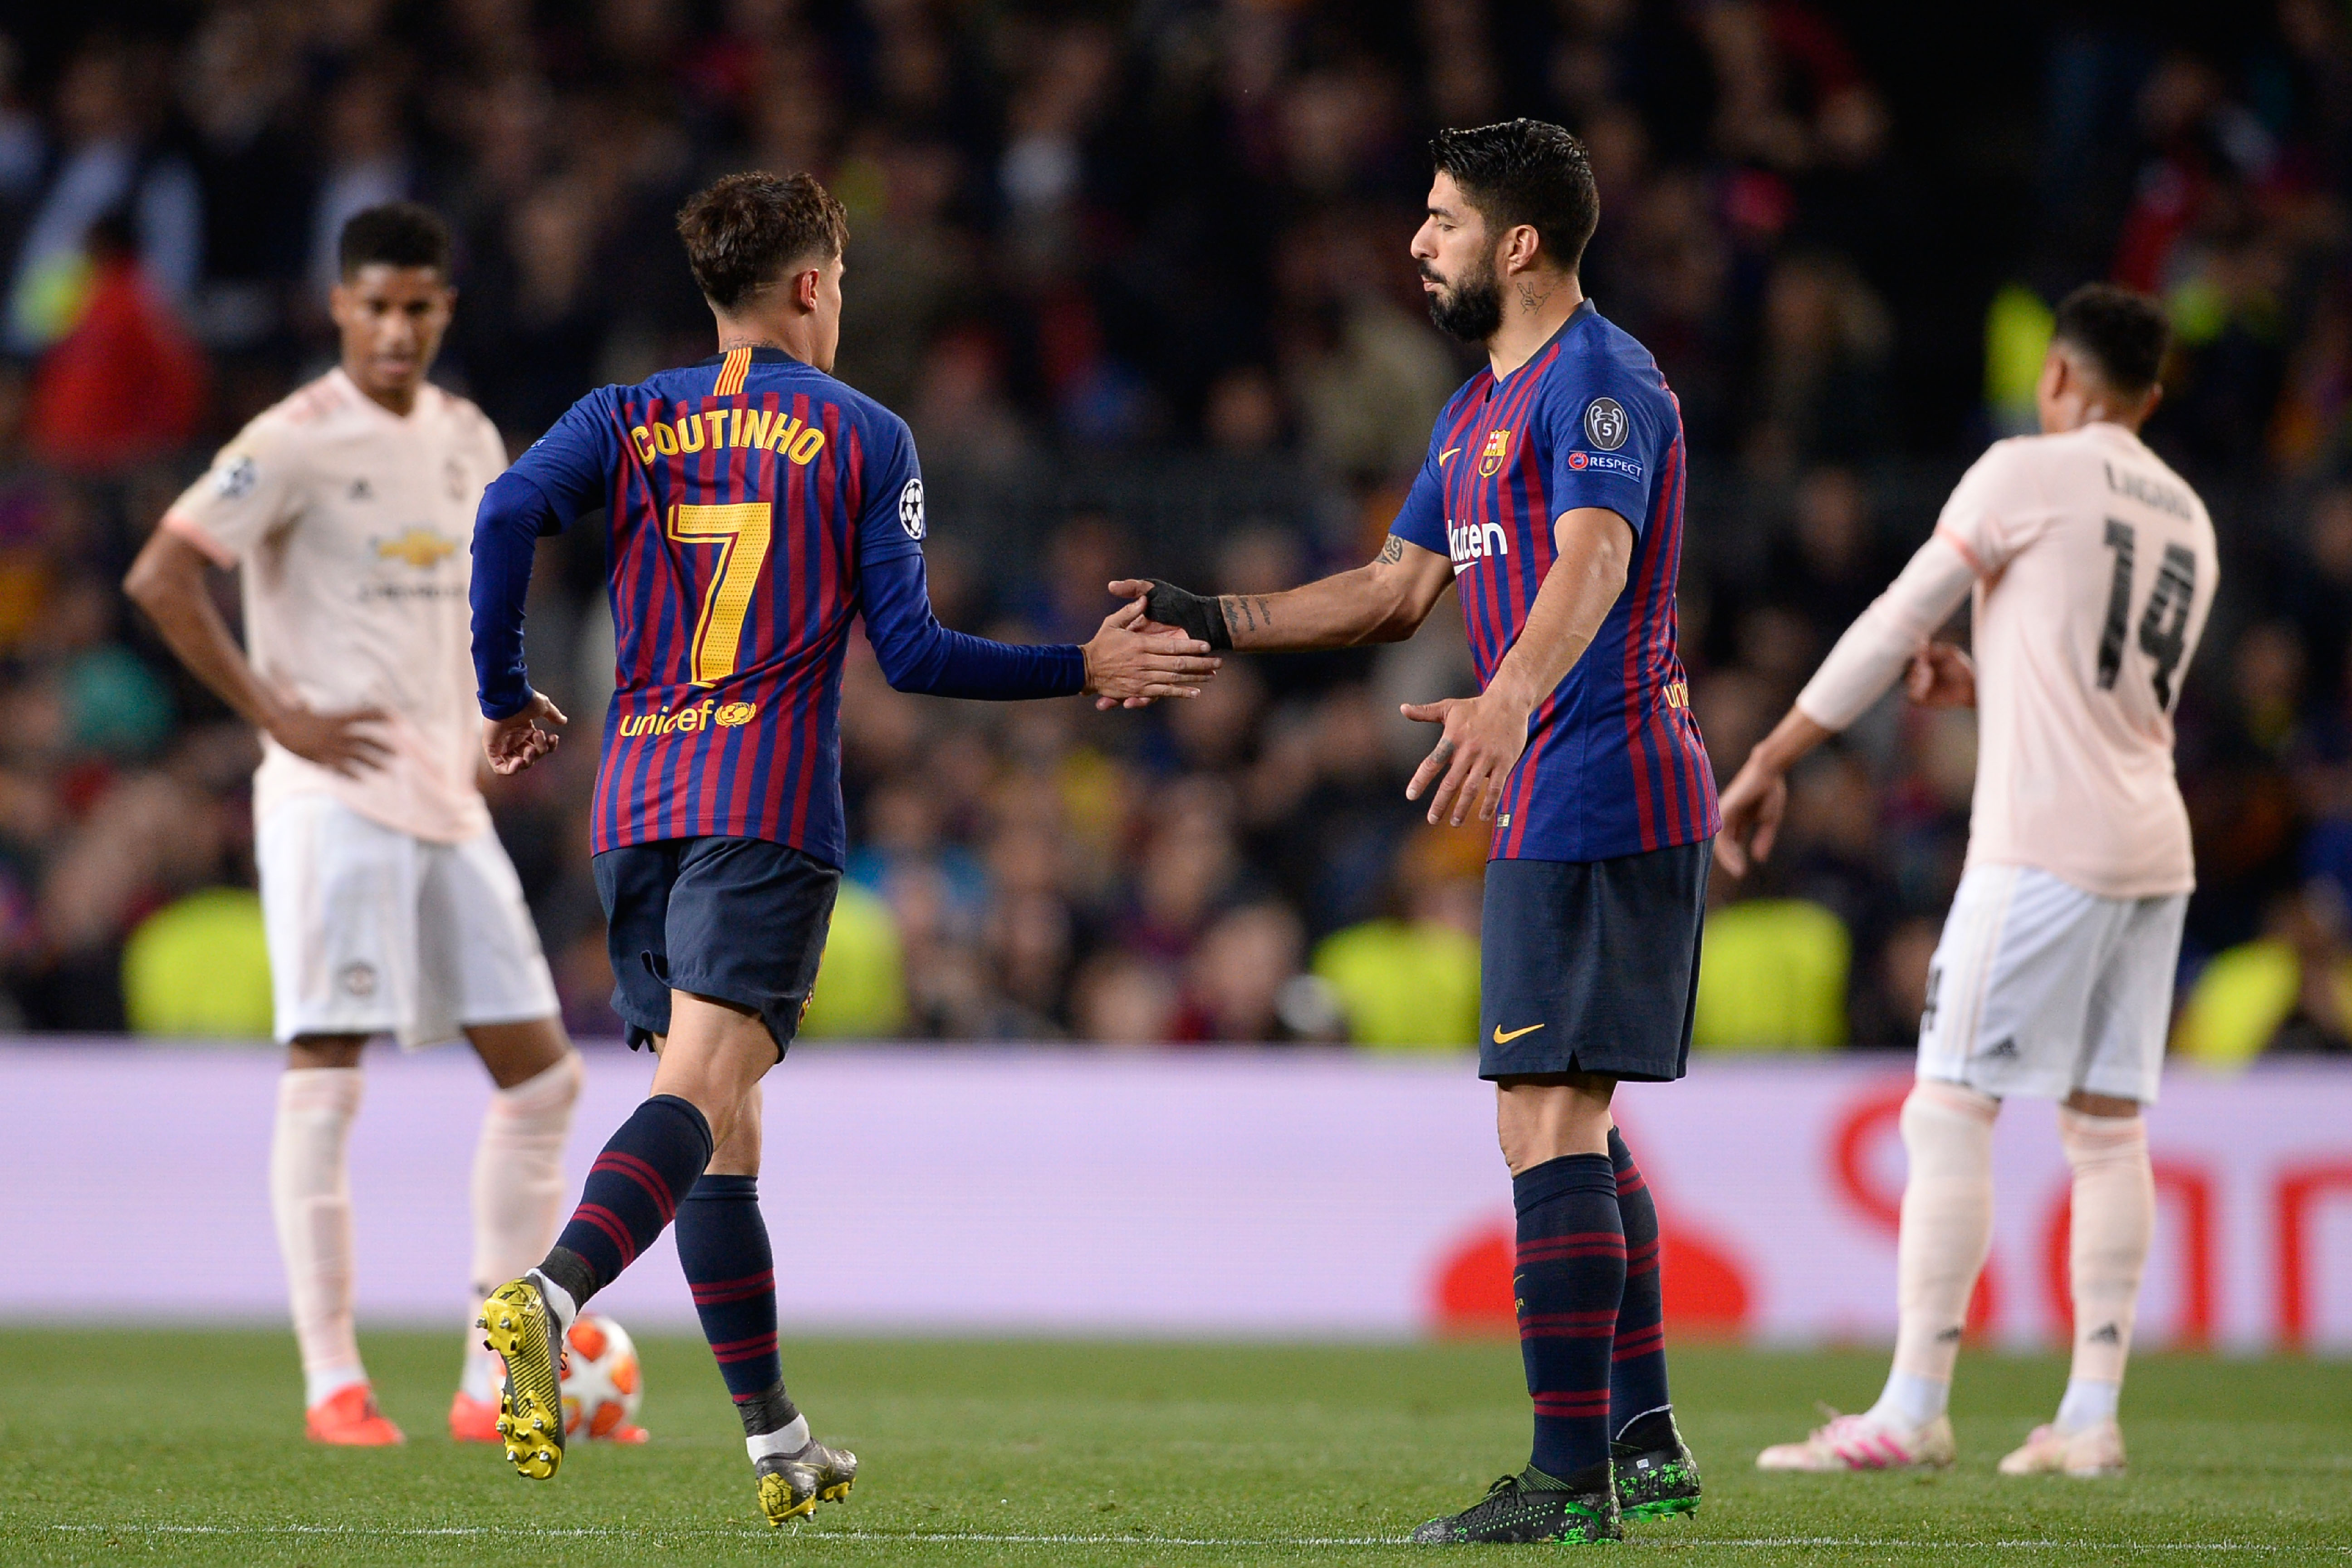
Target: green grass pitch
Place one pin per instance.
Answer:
(185, 1448)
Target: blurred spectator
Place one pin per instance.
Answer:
(199, 969)
(108, 161)
(1409, 978)
(1773, 977)
(1138, 277)
(2288, 992)
(124, 385)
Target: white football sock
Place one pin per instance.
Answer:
(2088, 1402)
(309, 1198)
(1911, 1401)
(324, 1383)
(1946, 1232)
(2113, 1221)
(788, 1439)
(519, 1191)
(559, 1300)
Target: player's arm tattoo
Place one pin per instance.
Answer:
(1392, 551)
(1250, 612)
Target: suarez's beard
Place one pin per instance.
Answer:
(1470, 309)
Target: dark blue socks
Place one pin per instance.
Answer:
(1569, 1277)
(1637, 1369)
(631, 1192)
(722, 1245)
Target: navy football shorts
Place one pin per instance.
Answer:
(1591, 966)
(736, 920)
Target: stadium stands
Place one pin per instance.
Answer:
(1143, 296)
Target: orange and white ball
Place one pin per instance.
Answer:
(601, 1383)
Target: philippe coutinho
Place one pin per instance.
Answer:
(756, 508)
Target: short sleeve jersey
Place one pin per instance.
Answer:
(2095, 571)
(1614, 764)
(350, 523)
(743, 494)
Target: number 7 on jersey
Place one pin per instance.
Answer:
(742, 530)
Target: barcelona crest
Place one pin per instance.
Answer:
(1491, 459)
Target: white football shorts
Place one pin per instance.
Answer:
(373, 931)
(2039, 988)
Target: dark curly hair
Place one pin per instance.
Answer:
(396, 234)
(745, 231)
(2124, 334)
(1525, 171)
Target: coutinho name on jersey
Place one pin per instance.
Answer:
(721, 428)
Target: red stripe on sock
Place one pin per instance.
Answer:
(1548, 1252)
(1639, 1344)
(758, 1345)
(1569, 1406)
(719, 1292)
(644, 1175)
(608, 1222)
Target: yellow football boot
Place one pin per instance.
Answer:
(517, 1326)
(791, 1485)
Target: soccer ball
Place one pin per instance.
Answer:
(602, 1385)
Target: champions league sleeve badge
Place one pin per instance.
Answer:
(1605, 425)
(910, 509)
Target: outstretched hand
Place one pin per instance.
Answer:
(1473, 760)
(1133, 663)
(517, 741)
(1941, 676)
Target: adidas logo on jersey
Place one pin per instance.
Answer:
(1477, 541)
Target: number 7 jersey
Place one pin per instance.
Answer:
(746, 497)
(2095, 570)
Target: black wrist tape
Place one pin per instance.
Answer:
(1192, 613)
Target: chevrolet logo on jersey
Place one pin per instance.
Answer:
(1490, 461)
(420, 547)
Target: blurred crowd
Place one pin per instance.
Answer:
(1128, 235)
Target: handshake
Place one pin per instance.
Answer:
(1161, 643)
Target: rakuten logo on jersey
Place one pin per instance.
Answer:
(1477, 541)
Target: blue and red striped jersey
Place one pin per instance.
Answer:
(1614, 764)
(755, 507)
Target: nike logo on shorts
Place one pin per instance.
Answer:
(1502, 1039)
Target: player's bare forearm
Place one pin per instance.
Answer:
(1383, 601)
(1758, 795)
(1596, 551)
(167, 581)
(1794, 736)
(1483, 735)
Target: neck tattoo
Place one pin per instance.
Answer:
(1530, 299)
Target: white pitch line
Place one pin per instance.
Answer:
(995, 1538)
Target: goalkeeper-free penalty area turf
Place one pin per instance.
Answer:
(186, 1447)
